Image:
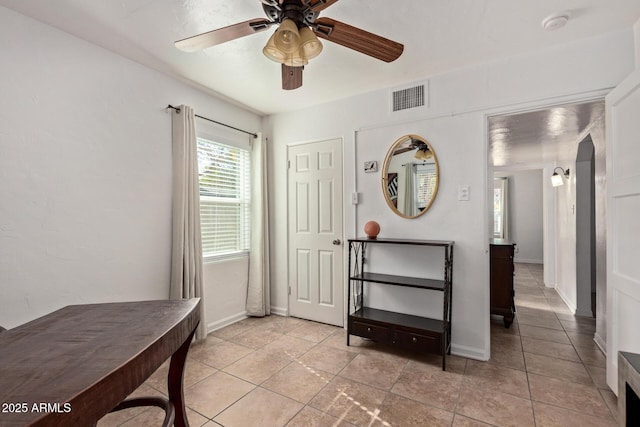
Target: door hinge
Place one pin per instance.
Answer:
(288, 164)
(289, 290)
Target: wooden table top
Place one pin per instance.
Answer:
(71, 367)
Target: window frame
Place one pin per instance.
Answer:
(243, 200)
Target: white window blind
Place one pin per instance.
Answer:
(426, 177)
(224, 198)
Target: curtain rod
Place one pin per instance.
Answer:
(218, 123)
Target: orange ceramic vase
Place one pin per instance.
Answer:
(372, 229)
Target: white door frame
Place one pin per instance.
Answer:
(623, 189)
(548, 228)
(548, 196)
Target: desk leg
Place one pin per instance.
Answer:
(174, 381)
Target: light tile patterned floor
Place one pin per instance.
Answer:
(545, 371)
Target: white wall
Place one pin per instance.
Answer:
(566, 239)
(85, 175)
(525, 214)
(598, 136)
(636, 36)
(565, 278)
(526, 219)
(455, 124)
(225, 291)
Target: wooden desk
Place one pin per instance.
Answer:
(73, 366)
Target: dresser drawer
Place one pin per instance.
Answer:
(422, 342)
(372, 331)
(502, 251)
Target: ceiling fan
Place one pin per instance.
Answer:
(295, 41)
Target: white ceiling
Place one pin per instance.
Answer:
(542, 137)
(438, 36)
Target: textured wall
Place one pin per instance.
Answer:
(85, 174)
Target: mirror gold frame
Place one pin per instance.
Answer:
(410, 176)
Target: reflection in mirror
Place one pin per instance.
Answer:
(410, 176)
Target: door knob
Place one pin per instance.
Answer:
(336, 242)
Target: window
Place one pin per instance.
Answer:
(426, 178)
(499, 208)
(224, 199)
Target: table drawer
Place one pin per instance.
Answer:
(369, 330)
(423, 342)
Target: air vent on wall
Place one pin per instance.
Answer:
(409, 97)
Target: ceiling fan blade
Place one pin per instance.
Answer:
(354, 38)
(222, 35)
(291, 77)
(318, 5)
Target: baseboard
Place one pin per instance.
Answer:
(600, 343)
(469, 352)
(566, 301)
(219, 324)
(280, 311)
(528, 261)
(586, 313)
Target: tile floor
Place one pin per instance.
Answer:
(277, 371)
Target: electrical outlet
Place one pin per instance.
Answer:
(463, 193)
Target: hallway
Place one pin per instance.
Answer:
(553, 346)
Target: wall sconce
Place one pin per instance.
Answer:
(556, 180)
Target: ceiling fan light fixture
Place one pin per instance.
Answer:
(295, 60)
(310, 46)
(295, 41)
(272, 52)
(423, 154)
(287, 38)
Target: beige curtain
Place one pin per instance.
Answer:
(409, 189)
(258, 290)
(186, 247)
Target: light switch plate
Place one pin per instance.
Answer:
(464, 193)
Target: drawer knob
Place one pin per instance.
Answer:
(368, 329)
(414, 339)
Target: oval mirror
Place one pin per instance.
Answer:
(410, 176)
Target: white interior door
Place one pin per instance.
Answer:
(316, 280)
(623, 223)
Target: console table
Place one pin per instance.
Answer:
(401, 329)
(73, 366)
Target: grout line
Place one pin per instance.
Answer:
(374, 412)
(573, 346)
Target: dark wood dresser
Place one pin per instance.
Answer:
(502, 272)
